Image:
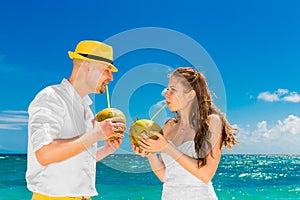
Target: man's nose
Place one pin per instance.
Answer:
(110, 76)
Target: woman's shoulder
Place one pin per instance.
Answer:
(215, 122)
(169, 125)
(214, 117)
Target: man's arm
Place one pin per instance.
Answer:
(62, 149)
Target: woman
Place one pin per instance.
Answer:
(191, 146)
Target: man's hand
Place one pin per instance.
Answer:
(111, 146)
(109, 128)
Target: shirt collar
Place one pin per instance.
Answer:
(86, 100)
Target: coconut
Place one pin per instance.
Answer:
(110, 113)
(143, 126)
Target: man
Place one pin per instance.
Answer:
(62, 132)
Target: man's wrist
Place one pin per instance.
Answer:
(106, 150)
(90, 138)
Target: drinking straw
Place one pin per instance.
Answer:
(107, 96)
(158, 111)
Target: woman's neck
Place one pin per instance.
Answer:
(185, 115)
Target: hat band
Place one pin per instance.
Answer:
(96, 58)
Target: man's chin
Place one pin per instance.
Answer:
(100, 90)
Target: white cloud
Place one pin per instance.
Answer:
(290, 125)
(15, 112)
(283, 137)
(282, 91)
(267, 96)
(293, 97)
(13, 119)
(10, 127)
(5, 148)
(279, 95)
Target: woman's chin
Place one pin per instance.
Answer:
(171, 109)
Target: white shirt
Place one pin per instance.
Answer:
(59, 112)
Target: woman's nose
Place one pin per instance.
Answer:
(166, 93)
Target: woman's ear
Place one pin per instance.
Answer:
(191, 95)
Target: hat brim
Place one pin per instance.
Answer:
(74, 55)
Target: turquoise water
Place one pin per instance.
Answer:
(238, 177)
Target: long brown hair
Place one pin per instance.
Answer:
(202, 108)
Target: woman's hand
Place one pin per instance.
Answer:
(150, 145)
(137, 150)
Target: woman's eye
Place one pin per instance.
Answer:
(169, 89)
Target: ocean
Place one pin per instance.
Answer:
(128, 177)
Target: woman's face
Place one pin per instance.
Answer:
(176, 95)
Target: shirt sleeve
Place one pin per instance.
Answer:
(45, 121)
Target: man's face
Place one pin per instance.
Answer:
(99, 75)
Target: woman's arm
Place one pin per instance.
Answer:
(157, 166)
(156, 163)
(204, 173)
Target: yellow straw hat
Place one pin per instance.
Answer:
(94, 51)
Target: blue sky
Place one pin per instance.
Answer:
(253, 47)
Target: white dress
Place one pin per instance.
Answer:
(179, 184)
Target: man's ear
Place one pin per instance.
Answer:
(86, 65)
(80, 64)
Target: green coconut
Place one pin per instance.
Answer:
(143, 126)
(110, 113)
